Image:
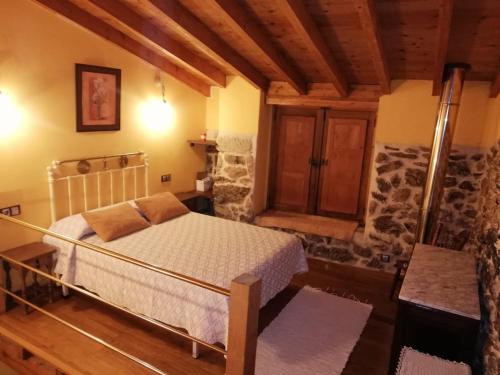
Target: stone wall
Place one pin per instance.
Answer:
(233, 177)
(396, 192)
(485, 244)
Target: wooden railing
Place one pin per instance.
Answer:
(244, 303)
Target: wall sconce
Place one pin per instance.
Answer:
(158, 114)
(9, 115)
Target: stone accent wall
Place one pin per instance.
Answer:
(485, 244)
(331, 249)
(234, 178)
(396, 192)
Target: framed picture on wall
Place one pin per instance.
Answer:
(97, 98)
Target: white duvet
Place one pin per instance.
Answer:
(207, 248)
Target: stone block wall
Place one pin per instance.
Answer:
(485, 244)
(233, 177)
(396, 189)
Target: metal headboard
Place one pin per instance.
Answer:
(58, 173)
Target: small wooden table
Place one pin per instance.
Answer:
(198, 201)
(34, 254)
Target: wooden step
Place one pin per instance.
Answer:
(319, 225)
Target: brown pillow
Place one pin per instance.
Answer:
(114, 222)
(161, 207)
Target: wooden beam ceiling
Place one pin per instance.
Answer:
(441, 47)
(233, 14)
(361, 97)
(495, 86)
(368, 18)
(305, 27)
(193, 27)
(88, 21)
(150, 34)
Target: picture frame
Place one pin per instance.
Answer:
(97, 98)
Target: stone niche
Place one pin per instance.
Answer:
(232, 168)
(396, 191)
(485, 245)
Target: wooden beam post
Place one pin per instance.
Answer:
(244, 308)
(368, 17)
(105, 31)
(235, 16)
(180, 18)
(306, 28)
(441, 48)
(143, 29)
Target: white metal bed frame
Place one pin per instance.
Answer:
(54, 169)
(244, 293)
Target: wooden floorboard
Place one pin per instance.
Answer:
(168, 352)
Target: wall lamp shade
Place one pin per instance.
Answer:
(9, 115)
(158, 114)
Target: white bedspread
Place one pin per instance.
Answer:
(207, 248)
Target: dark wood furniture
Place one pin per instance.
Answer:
(438, 305)
(34, 254)
(207, 142)
(320, 161)
(401, 266)
(198, 201)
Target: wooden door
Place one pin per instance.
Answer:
(342, 165)
(294, 137)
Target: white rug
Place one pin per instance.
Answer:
(314, 334)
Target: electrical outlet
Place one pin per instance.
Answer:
(5, 211)
(15, 210)
(386, 258)
(166, 178)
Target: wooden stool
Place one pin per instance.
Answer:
(34, 254)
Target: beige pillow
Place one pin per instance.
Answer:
(161, 207)
(114, 222)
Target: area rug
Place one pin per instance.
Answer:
(314, 334)
(312, 224)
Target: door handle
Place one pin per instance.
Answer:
(314, 162)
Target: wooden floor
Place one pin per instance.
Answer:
(59, 345)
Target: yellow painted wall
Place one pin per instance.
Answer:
(407, 116)
(38, 51)
(238, 107)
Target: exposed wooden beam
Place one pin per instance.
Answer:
(304, 25)
(131, 23)
(361, 97)
(231, 13)
(495, 86)
(368, 17)
(107, 32)
(193, 27)
(441, 47)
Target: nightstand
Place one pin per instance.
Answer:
(198, 201)
(34, 254)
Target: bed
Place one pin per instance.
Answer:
(203, 247)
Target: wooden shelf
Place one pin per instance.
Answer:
(208, 142)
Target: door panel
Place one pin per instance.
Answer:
(343, 154)
(295, 140)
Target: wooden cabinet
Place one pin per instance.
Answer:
(319, 161)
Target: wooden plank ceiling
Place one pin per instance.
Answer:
(318, 52)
